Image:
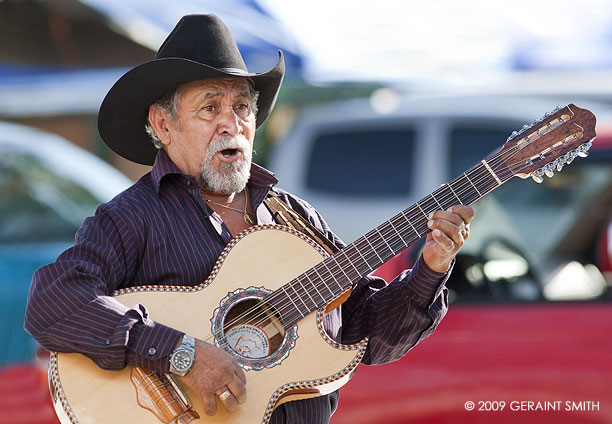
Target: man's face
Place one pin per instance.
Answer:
(212, 137)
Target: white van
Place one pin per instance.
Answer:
(359, 166)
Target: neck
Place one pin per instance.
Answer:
(223, 198)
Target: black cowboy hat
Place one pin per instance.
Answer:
(200, 47)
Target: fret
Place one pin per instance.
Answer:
(436, 200)
(305, 290)
(386, 235)
(468, 178)
(323, 280)
(314, 286)
(331, 273)
(374, 249)
(359, 252)
(291, 300)
(407, 220)
(341, 268)
(343, 251)
(287, 314)
(297, 295)
(419, 206)
(397, 232)
(450, 186)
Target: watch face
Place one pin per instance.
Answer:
(182, 360)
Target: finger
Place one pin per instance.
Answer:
(443, 240)
(446, 216)
(210, 404)
(465, 212)
(238, 389)
(229, 402)
(449, 229)
(240, 374)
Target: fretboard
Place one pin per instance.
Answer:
(333, 276)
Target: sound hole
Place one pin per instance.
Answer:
(253, 329)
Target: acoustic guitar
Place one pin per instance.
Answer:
(266, 297)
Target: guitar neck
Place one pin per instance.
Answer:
(332, 277)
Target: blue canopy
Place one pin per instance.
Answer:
(258, 34)
(27, 90)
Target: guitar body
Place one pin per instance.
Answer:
(303, 361)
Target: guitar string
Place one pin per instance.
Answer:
(314, 284)
(482, 175)
(493, 161)
(356, 245)
(360, 242)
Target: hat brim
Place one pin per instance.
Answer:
(123, 113)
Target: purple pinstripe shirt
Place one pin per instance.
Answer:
(160, 231)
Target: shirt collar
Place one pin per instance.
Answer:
(163, 166)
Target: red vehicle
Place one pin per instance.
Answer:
(527, 338)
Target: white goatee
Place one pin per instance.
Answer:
(228, 177)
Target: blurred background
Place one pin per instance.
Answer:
(383, 102)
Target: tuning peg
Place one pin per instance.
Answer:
(549, 169)
(558, 108)
(584, 149)
(560, 163)
(511, 136)
(571, 155)
(537, 175)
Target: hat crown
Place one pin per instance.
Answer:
(204, 39)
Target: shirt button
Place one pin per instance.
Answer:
(188, 183)
(152, 351)
(107, 341)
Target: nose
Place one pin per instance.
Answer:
(229, 122)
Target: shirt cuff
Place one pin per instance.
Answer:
(150, 345)
(427, 284)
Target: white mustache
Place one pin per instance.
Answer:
(227, 141)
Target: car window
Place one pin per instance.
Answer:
(470, 144)
(37, 204)
(338, 162)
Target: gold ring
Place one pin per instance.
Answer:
(224, 395)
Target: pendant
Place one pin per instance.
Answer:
(249, 219)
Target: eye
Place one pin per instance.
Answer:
(242, 106)
(209, 108)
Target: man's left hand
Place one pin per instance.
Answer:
(450, 229)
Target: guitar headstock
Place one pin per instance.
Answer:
(549, 143)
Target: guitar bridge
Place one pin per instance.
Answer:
(161, 395)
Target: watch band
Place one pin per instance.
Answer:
(181, 360)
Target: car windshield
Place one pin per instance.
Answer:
(534, 217)
(38, 204)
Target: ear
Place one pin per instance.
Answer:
(159, 121)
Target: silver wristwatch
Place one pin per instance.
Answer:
(182, 358)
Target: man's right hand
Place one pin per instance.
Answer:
(214, 371)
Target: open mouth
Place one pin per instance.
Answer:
(230, 154)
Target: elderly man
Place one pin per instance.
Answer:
(192, 114)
